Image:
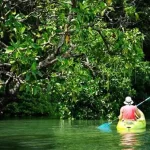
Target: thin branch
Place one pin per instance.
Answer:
(5, 65)
(87, 65)
(3, 44)
(104, 40)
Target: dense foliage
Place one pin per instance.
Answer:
(71, 59)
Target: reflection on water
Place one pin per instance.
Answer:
(49, 134)
(129, 140)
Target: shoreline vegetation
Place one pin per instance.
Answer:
(73, 59)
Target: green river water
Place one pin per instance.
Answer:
(50, 134)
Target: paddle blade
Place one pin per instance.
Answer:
(105, 127)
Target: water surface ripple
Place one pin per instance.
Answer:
(51, 134)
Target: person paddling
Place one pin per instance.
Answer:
(129, 111)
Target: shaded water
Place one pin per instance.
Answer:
(48, 134)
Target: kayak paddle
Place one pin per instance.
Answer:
(143, 101)
(106, 126)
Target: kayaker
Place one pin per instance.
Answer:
(129, 111)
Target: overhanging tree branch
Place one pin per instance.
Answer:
(52, 57)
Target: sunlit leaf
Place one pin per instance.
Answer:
(9, 49)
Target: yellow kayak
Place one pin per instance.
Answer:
(131, 125)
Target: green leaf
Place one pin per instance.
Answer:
(9, 49)
(137, 16)
(103, 12)
(35, 90)
(111, 8)
(27, 77)
(28, 88)
(12, 61)
(39, 73)
(34, 66)
(22, 87)
(22, 29)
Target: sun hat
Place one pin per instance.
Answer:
(128, 100)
